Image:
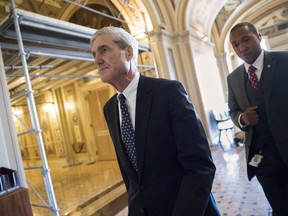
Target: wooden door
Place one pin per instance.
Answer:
(97, 99)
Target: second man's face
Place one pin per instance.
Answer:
(245, 44)
(112, 62)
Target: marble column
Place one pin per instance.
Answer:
(10, 155)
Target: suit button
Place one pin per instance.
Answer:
(143, 212)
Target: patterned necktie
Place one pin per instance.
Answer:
(127, 131)
(253, 77)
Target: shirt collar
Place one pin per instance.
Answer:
(258, 63)
(131, 89)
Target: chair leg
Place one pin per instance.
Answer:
(234, 140)
(227, 135)
(219, 138)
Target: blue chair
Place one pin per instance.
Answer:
(224, 124)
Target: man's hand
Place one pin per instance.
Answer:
(250, 116)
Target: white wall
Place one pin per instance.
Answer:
(10, 156)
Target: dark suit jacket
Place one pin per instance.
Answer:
(276, 101)
(175, 169)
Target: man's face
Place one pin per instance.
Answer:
(113, 62)
(245, 44)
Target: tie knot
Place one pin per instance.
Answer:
(121, 98)
(251, 69)
(253, 77)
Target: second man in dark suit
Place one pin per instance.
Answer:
(258, 102)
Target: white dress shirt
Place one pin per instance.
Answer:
(130, 94)
(259, 65)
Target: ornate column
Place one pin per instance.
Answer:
(224, 70)
(10, 155)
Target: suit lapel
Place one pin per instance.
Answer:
(115, 129)
(116, 134)
(114, 118)
(143, 107)
(269, 73)
(242, 90)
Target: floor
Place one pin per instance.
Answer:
(97, 189)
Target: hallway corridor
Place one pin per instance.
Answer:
(87, 190)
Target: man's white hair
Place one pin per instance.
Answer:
(121, 37)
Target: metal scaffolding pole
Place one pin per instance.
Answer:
(34, 117)
(32, 31)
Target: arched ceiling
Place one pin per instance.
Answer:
(214, 19)
(205, 16)
(132, 11)
(269, 16)
(210, 18)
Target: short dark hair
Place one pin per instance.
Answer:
(251, 27)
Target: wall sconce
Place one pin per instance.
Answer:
(70, 106)
(17, 111)
(48, 107)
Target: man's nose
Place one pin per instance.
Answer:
(241, 47)
(97, 59)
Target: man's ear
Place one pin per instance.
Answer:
(129, 52)
(259, 36)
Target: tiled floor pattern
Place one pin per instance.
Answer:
(235, 195)
(76, 186)
(82, 190)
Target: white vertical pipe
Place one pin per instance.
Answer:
(10, 156)
(34, 116)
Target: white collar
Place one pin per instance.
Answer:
(258, 63)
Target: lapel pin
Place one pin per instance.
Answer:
(268, 66)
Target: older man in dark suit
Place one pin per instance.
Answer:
(165, 161)
(258, 102)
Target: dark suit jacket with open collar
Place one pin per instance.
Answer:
(175, 169)
(276, 101)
